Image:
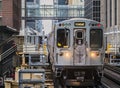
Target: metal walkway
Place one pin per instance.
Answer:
(33, 73)
(53, 12)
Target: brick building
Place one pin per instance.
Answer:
(10, 23)
(10, 13)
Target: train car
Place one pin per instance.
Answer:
(76, 51)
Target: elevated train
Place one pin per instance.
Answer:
(76, 51)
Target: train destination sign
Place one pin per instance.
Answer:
(79, 24)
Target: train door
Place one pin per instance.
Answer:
(79, 47)
(63, 56)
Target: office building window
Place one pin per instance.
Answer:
(30, 0)
(30, 24)
(106, 14)
(97, 3)
(62, 2)
(110, 12)
(115, 12)
(82, 0)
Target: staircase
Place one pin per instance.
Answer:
(8, 52)
(7, 40)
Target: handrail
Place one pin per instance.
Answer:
(7, 40)
(7, 52)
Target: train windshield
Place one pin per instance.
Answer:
(63, 38)
(96, 38)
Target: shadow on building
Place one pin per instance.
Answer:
(7, 51)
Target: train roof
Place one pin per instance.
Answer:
(77, 19)
(80, 19)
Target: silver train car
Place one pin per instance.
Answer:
(76, 52)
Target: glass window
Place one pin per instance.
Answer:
(82, 0)
(96, 38)
(63, 38)
(110, 12)
(116, 12)
(106, 14)
(30, 23)
(79, 34)
(97, 8)
(94, 3)
(94, 8)
(79, 37)
(30, 0)
(97, 3)
(31, 12)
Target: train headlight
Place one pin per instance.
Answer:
(43, 56)
(67, 54)
(94, 54)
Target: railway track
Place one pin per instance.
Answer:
(111, 77)
(107, 83)
(49, 79)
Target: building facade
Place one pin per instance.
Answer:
(63, 12)
(71, 8)
(110, 18)
(10, 13)
(79, 3)
(33, 11)
(30, 8)
(92, 9)
(10, 23)
(110, 13)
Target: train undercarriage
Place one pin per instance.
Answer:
(76, 77)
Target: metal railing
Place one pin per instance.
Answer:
(39, 73)
(7, 40)
(114, 61)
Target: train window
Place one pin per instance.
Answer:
(63, 38)
(79, 34)
(79, 37)
(96, 38)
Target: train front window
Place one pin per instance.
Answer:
(79, 34)
(63, 38)
(79, 37)
(96, 38)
